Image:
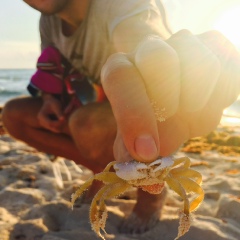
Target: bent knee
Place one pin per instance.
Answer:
(10, 112)
(82, 124)
(11, 118)
(14, 115)
(92, 127)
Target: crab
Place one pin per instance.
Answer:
(150, 177)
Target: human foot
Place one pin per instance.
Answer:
(146, 213)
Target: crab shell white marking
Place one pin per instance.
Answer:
(133, 170)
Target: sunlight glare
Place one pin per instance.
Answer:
(228, 25)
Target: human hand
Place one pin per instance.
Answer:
(182, 79)
(50, 115)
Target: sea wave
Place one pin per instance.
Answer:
(13, 83)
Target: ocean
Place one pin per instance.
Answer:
(13, 83)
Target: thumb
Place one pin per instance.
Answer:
(57, 109)
(120, 151)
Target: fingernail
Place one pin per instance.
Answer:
(146, 148)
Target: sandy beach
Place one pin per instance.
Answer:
(34, 205)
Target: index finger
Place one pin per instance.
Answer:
(131, 106)
(159, 66)
(227, 88)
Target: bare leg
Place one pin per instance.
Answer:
(93, 129)
(1, 124)
(146, 212)
(89, 141)
(20, 120)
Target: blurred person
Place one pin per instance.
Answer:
(140, 90)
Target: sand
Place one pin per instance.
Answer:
(33, 205)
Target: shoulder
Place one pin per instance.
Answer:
(127, 9)
(113, 9)
(133, 6)
(135, 22)
(49, 28)
(47, 21)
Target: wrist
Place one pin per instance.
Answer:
(49, 96)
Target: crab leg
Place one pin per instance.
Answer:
(191, 186)
(184, 224)
(98, 214)
(184, 160)
(189, 173)
(107, 168)
(185, 220)
(106, 177)
(115, 190)
(178, 188)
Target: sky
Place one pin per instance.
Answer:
(20, 43)
(19, 39)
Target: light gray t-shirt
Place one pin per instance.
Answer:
(91, 44)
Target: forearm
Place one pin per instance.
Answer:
(46, 96)
(129, 33)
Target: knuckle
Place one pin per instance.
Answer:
(212, 35)
(114, 64)
(216, 34)
(153, 49)
(215, 63)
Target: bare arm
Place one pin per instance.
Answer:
(174, 80)
(129, 92)
(129, 33)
